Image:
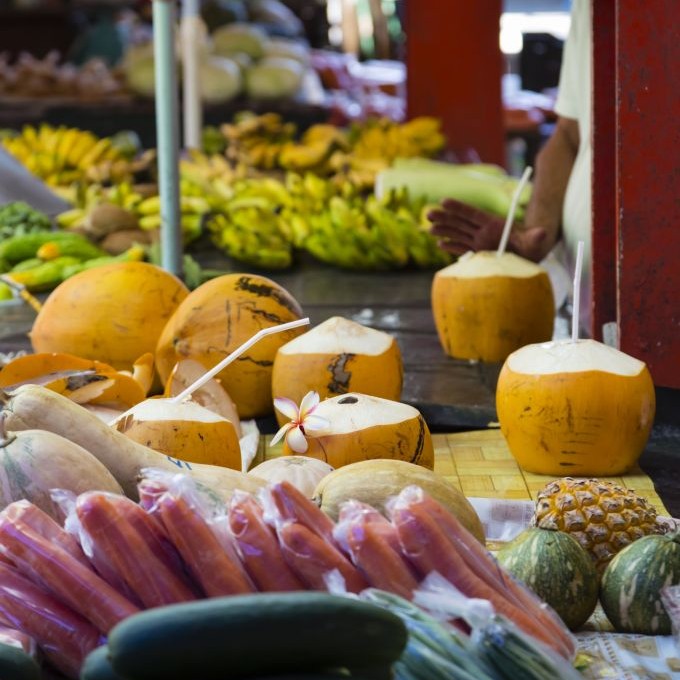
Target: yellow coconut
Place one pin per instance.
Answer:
(219, 316)
(337, 357)
(184, 430)
(114, 313)
(575, 408)
(361, 427)
(486, 307)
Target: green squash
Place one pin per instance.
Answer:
(557, 569)
(630, 592)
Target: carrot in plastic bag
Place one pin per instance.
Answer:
(312, 558)
(484, 565)
(258, 546)
(63, 636)
(106, 531)
(284, 503)
(428, 548)
(373, 544)
(61, 574)
(43, 524)
(17, 638)
(218, 572)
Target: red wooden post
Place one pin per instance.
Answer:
(454, 68)
(603, 182)
(648, 183)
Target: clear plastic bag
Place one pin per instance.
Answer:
(17, 638)
(64, 637)
(48, 564)
(670, 597)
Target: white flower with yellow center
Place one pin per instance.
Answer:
(303, 423)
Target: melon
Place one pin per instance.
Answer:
(486, 306)
(362, 427)
(217, 318)
(114, 313)
(183, 430)
(374, 482)
(579, 408)
(337, 357)
(557, 569)
(633, 581)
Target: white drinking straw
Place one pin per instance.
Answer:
(577, 292)
(513, 208)
(235, 354)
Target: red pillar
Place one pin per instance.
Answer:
(454, 68)
(645, 208)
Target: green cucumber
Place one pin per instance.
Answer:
(255, 634)
(15, 664)
(97, 666)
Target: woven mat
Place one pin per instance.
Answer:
(480, 464)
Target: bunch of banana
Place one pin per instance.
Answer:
(194, 209)
(61, 156)
(248, 228)
(257, 141)
(314, 151)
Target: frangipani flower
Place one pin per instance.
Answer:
(303, 423)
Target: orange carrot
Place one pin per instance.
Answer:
(259, 549)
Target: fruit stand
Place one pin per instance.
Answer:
(248, 400)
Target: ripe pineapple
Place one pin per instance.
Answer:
(603, 517)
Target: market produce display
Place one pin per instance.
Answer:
(579, 406)
(487, 305)
(193, 546)
(18, 219)
(336, 357)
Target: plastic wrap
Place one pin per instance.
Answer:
(670, 597)
(206, 547)
(505, 648)
(432, 543)
(372, 543)
(49, 565)
(17, 638)
(64, 637)
(259, 547)
(108, 537)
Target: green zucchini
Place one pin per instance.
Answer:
(15, 664)
(97, 666)
(261, 634)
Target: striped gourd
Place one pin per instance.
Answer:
(630, 592)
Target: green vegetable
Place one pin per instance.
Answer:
(81, 248)
(630, 592)
(5, 292)
(46, 275)
(213, 638)
(557, 569)
(134, 254)
(27, 264)
(20, 248)
(97, 666)
(18, 218)
(15, 664)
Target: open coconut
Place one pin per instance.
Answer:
(184, 430)
(354, 427)
(486, 306)
(577, 408)
(337, 357)
(218, 317)
(211, 395)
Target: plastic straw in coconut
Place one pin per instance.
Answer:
(513, 208)
(235, 355)
(576, 310)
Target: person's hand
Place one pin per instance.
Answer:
(461, 227)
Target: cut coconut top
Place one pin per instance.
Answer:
(486, 263)
(566, 356)
(354, 411)
(166, 409)
(338, 335)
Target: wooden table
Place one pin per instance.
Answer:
(453, 395)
